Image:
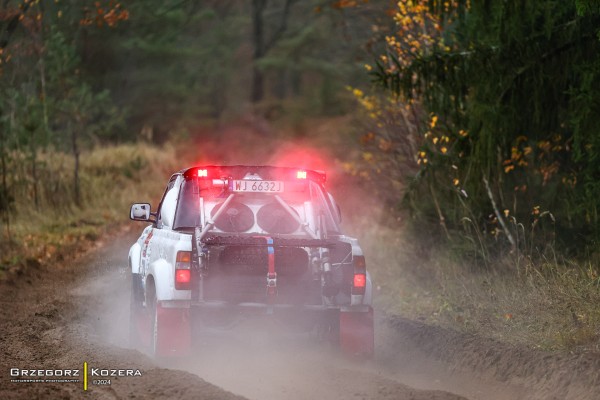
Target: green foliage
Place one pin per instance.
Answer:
(516, 94)
(75, 74)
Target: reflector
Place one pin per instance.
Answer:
(184, 256)
(359, 263)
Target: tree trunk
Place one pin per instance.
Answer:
(5, 196)
(258, 6)
(44, 100)
(261, 46)
(75, 147)
(258, 80)
(34, 176)
(281, 86)
(12, 25)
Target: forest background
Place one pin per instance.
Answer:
(472, 126)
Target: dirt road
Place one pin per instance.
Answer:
(58, 317)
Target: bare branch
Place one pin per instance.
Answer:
(498, 215)
(12, 26)
(282, 25)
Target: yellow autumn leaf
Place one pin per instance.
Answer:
(433, 122)
(357, 92)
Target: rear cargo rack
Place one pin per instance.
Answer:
(261, 242)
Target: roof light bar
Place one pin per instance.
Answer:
(301, 174)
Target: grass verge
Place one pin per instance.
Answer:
(546, 304)
(111, 179)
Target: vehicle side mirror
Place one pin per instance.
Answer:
(140, 212)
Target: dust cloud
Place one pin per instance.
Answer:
(261, 357)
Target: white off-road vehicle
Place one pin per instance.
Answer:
(227, 240)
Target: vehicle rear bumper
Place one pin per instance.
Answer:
(214, 305)
(262, 308)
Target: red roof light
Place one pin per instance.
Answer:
(301, 175)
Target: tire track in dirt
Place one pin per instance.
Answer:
(59, 316)
(520, 372)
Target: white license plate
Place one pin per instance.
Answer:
(258, 186)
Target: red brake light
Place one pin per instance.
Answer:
(183, 274)
(360, 281)
(182, 277)
(301, 174)
(202, 173)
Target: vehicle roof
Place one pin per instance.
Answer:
(266, 172)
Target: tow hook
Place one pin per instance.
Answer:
(271, 274)
(272, 284)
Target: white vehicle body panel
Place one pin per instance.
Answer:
(154, 254)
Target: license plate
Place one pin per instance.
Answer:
(257, 186)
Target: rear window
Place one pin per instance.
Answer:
(199, 199)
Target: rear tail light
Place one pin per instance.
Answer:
(359, 283)
(183, 274)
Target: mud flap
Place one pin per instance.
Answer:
(173, 332)
(357, 337)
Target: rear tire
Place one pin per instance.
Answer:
(138, 319)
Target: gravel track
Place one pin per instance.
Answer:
(60, 316)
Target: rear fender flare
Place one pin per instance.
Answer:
(368, 296)
(162, 273)
(134, 258)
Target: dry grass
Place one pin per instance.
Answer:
(544, 304)
(111, 179)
